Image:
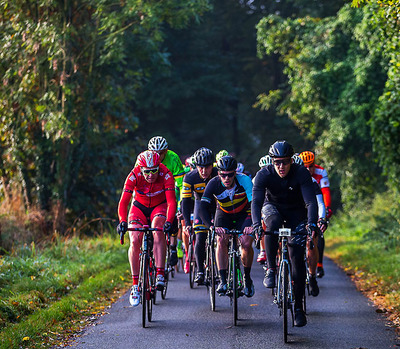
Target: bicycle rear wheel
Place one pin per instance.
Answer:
(152, 290)
(285, 285)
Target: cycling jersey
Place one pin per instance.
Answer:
(193, 185)
(320, 199)
(174, 164)
(294, 192)
(148, 194)
(321, 177)
(232, 201)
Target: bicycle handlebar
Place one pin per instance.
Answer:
(143, 228)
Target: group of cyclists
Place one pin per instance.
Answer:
(214, 191)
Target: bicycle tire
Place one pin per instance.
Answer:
(235, 289)
(285, 300)
(192, 269)
(166, 275)
(152, 290)
(144, 289)
(212, 277)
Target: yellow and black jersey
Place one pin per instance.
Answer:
(194, 185)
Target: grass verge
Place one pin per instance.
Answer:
(366, 244)
(47, 295)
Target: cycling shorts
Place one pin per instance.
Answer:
(275, 218)
(145, 215)
(232, 221)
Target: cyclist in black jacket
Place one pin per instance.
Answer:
(284, 193)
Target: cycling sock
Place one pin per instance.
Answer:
(319, 265)
(222, 274)
(160, 271)
(135, 279)
(247, 272)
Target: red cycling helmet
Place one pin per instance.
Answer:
(148, 158)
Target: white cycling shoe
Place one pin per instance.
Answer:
(134, 297)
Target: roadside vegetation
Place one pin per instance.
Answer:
(365, 242)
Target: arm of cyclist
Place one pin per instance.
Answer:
(258, 195)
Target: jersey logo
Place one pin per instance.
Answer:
(132, 178)
(167, 176)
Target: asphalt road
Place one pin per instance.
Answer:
(340, 317)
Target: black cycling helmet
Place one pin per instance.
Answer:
(203, 157)
(227, 163)
(281, 149)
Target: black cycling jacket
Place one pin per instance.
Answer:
(295, 191)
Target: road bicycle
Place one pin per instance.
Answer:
(191, 257)
(169, 269)
(235, 275)
(284, 295)
(210, 265)
(147, 272)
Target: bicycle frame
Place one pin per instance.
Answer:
(235, 276)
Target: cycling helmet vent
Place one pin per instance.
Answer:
(297, 160)
(221, 153)
(157, 143)
(203, 157)
(308, 157)
(281, 149)
(227, 163)
(148, 158)
(265, 161)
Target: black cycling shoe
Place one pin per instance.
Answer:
(320, 272)
(314, 289)
(199, 279)
(249, 289)
(222, 288)
(269, 278)
(173, 258)
(300, 319)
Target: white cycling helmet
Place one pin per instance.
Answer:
(297, 160)
(240, 168)
(265, 161)
(157, 143)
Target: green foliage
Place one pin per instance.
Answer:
(334, 84)
(71, 74)
(32, 280)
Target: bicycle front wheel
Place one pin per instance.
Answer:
(213, 277)
(144, 290)
(285, 301)
(235, 289)
(166, 275)
(192, 270)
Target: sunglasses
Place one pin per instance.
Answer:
(230, 174)
(150, 171)
(282, 162)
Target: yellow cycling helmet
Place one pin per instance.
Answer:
(308, 157)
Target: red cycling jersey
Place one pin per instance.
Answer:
(149, 194)
(321, 177)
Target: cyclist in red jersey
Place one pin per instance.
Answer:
(321, 176)
(154, 204)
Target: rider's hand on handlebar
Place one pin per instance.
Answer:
(168, 228)
(312, 230)
(122, 227)
(322, 225)
(219, 230)
(329, 212)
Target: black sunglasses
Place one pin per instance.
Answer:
(230, 174)
(282, 162)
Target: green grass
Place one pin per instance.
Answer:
(43, 292)
(366, 243)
